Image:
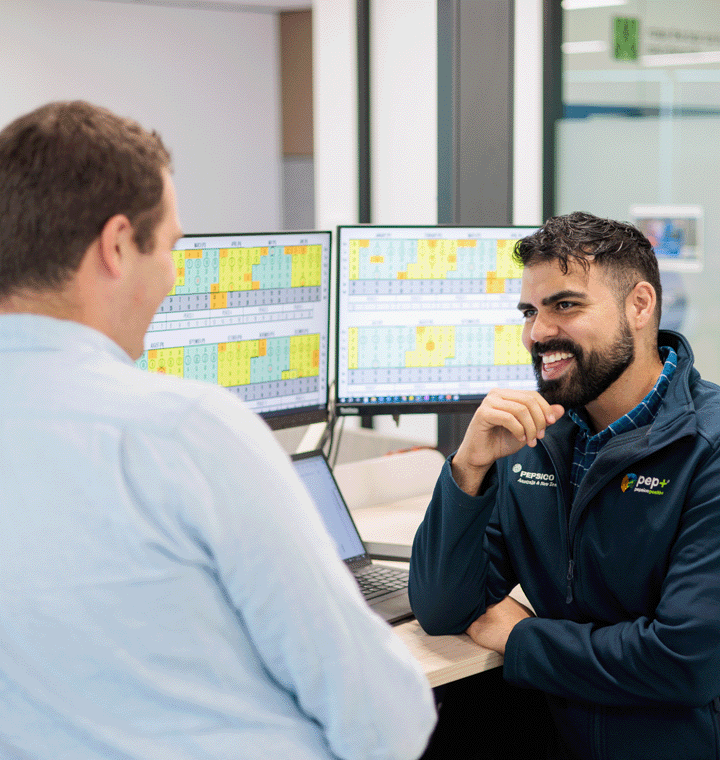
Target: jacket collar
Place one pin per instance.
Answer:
(676, 417)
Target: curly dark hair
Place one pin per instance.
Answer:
(580, 238)
(65, 169)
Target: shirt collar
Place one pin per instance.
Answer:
(643, 414)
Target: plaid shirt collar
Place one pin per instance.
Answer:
(587, 444)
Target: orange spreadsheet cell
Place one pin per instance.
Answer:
(218, 300)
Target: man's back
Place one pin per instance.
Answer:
(164, 589)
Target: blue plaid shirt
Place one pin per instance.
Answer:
(588, 445)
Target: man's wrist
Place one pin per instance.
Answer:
(469, 478)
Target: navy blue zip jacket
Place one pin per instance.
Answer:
(624, 578)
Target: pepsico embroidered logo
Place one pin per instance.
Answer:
(628, 482)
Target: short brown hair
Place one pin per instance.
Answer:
(65, 169)
(579, 238)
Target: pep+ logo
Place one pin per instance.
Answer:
(644, 484)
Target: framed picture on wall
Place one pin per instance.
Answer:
(676, 233)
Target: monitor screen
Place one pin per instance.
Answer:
(427, 318)
(250, 312)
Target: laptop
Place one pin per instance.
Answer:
(384, 588)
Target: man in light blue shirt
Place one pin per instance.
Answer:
(167, 589)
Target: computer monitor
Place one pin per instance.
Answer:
(250, 312)
(427, 318)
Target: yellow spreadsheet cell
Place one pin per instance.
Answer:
(235, 269)
(508, 345)
(353, 348)
(354, 257)
(435, 259)
(234, 362)
(434, 344)
(303, 351)
(167, 361)
(377, 259)
(306, 265)
(179, 259)
(506, 266)
(467, 243)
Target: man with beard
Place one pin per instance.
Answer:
(599, 494)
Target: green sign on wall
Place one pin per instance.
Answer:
(626, 38)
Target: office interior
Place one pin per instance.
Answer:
(300, 114)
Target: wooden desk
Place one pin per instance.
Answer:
(369, 487)
(446, 658)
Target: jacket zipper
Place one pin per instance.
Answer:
(570, 575)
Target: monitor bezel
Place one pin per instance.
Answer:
(281, 419)
(392, 406)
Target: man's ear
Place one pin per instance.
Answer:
(641, 304)
(116, 235)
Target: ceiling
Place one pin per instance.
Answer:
(228, 5)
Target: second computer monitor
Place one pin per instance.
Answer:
(427, 318)
(250, 312)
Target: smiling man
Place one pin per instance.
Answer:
(599, 494)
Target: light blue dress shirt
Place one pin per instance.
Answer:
(167, 589)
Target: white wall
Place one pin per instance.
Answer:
(403, 109)
(207, 80)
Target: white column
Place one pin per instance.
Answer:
(335, 112)
(528, 113)
(403, 111)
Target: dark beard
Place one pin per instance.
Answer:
(592, 375)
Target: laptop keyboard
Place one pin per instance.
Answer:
(379, 579)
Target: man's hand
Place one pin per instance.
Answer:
(506, 421)
(491, 630)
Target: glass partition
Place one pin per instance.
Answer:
(640, 141)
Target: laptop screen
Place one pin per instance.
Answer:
(315, 473)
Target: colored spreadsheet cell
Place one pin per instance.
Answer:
(435, 346)
(506, 265)
(421, 259)
(167, 361)
(240, 363)
(225, 270)
(508, 346)
(426, 267)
